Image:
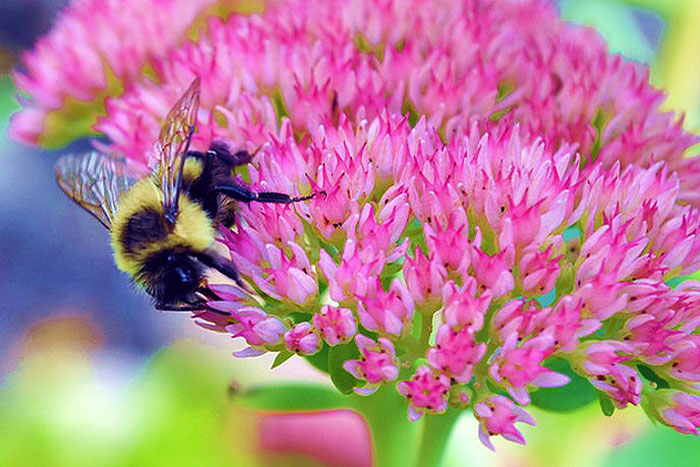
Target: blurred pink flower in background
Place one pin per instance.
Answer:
(95, 49)
(333, 438)
(475, 158)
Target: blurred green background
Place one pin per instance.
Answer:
(91, 376)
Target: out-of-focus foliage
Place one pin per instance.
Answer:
(182, 409)
(617, 23)
(657, 447)
(578, 393)
(7, 104)
(63, 408)
(663, 33)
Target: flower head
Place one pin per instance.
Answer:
(455, 353)
(485, 202)
(518, 365)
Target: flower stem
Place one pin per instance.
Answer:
(393, 435)
(436, 433)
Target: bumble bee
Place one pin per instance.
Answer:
(163, 225)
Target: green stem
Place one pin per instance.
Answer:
(393, 435)
(398, 442)
(414, 348)
(436, 434)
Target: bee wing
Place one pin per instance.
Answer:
(94, 181)
(173, 143)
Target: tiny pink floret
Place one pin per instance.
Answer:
(377, 364)
(303, 339)
(337, 325)
(426, 393)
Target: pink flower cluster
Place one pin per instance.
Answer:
(498, 188)
(95, 49)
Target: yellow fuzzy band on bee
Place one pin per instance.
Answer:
(193, 230)
(193, 168)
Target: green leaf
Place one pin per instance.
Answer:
(337, 355)
(674, 281)
(281, 357)
(574, 395)
(413, 115)
(389, 272)
(599, 122)
(496, 116)
(606, 404)
(650, 375)
(505, 88)
(319, 360)
(280, 106)
(291, 397)
(299, 317)
(322, 286)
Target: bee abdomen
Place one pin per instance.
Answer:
(144, 227)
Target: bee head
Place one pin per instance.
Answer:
(172, 276)
(182, 274)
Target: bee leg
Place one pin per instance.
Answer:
(274, 197)
(186, 307)
(221, 150)
(177, 307)
(242, 193)
(224, 266)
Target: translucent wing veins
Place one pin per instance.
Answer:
(173, 143)
(94, 181)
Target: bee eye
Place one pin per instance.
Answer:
(180, 280)
(183, 275)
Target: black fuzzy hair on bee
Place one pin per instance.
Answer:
(171, 276)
